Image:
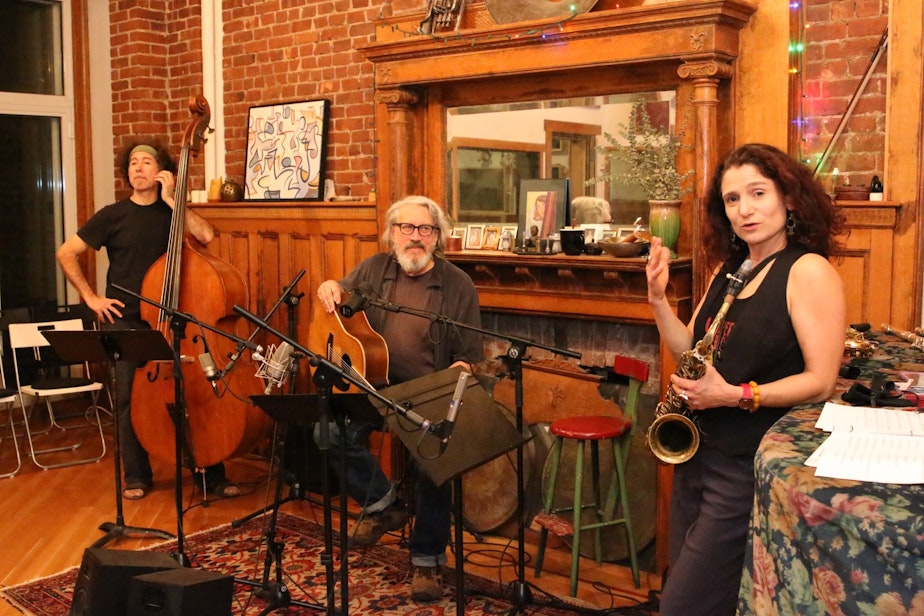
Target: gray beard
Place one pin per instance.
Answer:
(412, 265)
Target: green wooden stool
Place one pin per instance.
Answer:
(593, 429)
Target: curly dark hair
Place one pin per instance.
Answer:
(818, 222)
(163, 158)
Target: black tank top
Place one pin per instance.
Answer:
(757, 343)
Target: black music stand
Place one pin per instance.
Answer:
(481, 433)
(114, 345)
(305, 409)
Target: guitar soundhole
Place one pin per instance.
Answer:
(347, 366)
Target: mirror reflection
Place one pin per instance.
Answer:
(491, 149)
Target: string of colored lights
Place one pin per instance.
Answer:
(797, 27)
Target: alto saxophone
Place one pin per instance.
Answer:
(673, 436)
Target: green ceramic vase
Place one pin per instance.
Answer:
(664, 222)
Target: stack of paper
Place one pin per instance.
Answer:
(870, 444)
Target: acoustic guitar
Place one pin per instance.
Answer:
(351, 344)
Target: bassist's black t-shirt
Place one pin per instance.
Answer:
(134, 236)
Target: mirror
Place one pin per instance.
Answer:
(492, 148)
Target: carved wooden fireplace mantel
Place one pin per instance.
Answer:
(688, 46)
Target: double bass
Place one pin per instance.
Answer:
(189, 279)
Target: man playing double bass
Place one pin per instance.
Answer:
(135, 232)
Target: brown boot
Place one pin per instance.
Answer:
(372, 526)
(427, 584)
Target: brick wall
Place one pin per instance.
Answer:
(287, 50)
(274, 51)
(840, 42)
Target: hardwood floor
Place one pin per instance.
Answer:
(50, 516)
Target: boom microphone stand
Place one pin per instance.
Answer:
(514, 361)
(276, 593)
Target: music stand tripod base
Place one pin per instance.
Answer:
(110, 346)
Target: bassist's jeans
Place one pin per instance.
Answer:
(136, 465)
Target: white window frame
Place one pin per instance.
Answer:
(62, 108)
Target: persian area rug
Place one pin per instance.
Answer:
(378, 576)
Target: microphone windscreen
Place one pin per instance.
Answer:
(357, 302)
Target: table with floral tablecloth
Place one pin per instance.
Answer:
(832, 546)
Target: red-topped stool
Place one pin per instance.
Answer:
(617, 430)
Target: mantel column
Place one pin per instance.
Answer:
(705, 77)
(394, 160)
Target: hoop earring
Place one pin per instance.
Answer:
(790, 224)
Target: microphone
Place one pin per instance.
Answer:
(276, 369)
(450, 422)
(209, 370)
(357, 302)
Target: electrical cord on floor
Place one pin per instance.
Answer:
(501, 551)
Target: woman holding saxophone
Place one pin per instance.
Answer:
(777, 342)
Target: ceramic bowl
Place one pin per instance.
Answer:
(623, 249)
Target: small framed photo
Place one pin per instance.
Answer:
(511, 231)
(543, 206)
(458, 232)
(608, 235)
(593, 232)
(491, 238)
(474, 237)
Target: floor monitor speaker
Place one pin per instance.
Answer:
(180, 592)
(102, 582)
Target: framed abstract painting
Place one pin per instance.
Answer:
(286, 151)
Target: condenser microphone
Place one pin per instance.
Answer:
(450, 422)
(276, 369)
(209, 370)
(357, 302)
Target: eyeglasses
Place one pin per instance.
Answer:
(407, 228)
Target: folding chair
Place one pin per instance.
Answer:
(7, 398)
(8, 394)
(52, 311)
(29, 336)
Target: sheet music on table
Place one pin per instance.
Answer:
(871, 420)
(870, 444)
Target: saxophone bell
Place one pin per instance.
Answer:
(673, 437)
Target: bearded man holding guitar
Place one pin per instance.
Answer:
(412, 274)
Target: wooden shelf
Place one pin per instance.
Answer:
(590, 287)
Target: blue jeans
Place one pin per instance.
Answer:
(367, 485)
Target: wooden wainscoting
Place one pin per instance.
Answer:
(865, 265)
(271, 242)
